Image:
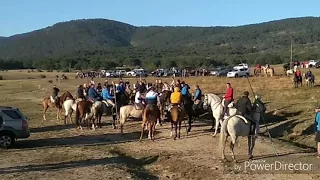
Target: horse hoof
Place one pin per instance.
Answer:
(188, 130)
(213, 135)
(179, 136)
(174, 138)
(250, 157)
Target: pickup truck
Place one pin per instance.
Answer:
(312, 63)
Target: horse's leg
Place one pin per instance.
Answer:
(249, 146)
(70, 116)
(171, 129)
(149, 130)
(217, 126)
(179, 129)
(142, 129)
(45, 108)
(114, 117)
(232, 143)
(175, 129)
(153, 127)
(189, 123)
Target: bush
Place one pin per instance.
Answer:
(1, 78)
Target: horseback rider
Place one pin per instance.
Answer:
(107, 95)
(93, 94)
(159, 86)
(185, 89)
(245, 108)
(138, 99)
(228, 98)
(197, 98)
(152, 97)
(55, 92)
(80, 93)
(175, 98)
(99, 88)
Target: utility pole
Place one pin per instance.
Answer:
(291, 62)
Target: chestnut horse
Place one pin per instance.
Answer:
(46, 103)
(83, 107)
(150, 115)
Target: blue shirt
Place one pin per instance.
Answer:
(92, 93)
(317, 121)
(106, 94)
(198, 94)
(185, 90)
(121, 89)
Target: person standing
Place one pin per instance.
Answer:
(228, 98)
(317, 130)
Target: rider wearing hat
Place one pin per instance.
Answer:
(55, 92)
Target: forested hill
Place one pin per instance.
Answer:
(97, 43)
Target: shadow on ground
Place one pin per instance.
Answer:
(134, 166)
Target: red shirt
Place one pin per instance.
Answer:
(229, 94)
(298, 73)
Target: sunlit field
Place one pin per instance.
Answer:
(56, 151)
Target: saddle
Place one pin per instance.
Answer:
(231, 104)
(172, 105)
(106, 103)
(139, 106)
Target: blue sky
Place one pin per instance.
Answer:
(19, 16)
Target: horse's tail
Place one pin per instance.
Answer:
(223, 134)
(122, 118)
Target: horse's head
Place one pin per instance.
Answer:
(259, 105)
(205, 101)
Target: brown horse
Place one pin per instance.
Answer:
(150, 115)
(176, 119)
(46, 103)
(83, 107)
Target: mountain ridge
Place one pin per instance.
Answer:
(97, 42)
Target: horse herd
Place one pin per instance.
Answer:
(233, 125)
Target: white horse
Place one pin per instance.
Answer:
(69, 106)
(217, 105)
(236, 126)
(129, 111)
(96, 112)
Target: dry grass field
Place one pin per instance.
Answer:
(55, 151)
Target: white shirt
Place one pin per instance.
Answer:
(137, 98)
(151, 94)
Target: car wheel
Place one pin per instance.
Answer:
(236, 76)
(6, 140)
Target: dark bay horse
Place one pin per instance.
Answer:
(297, 80)
(46, 103)
(164, 102)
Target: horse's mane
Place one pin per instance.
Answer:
(214, 97)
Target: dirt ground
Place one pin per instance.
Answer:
(55, 151)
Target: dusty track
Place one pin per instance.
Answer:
(104, 154)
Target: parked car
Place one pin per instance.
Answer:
(110, 73)
(312, 63)
(223, 72)
(241, 72)
(14, 126)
